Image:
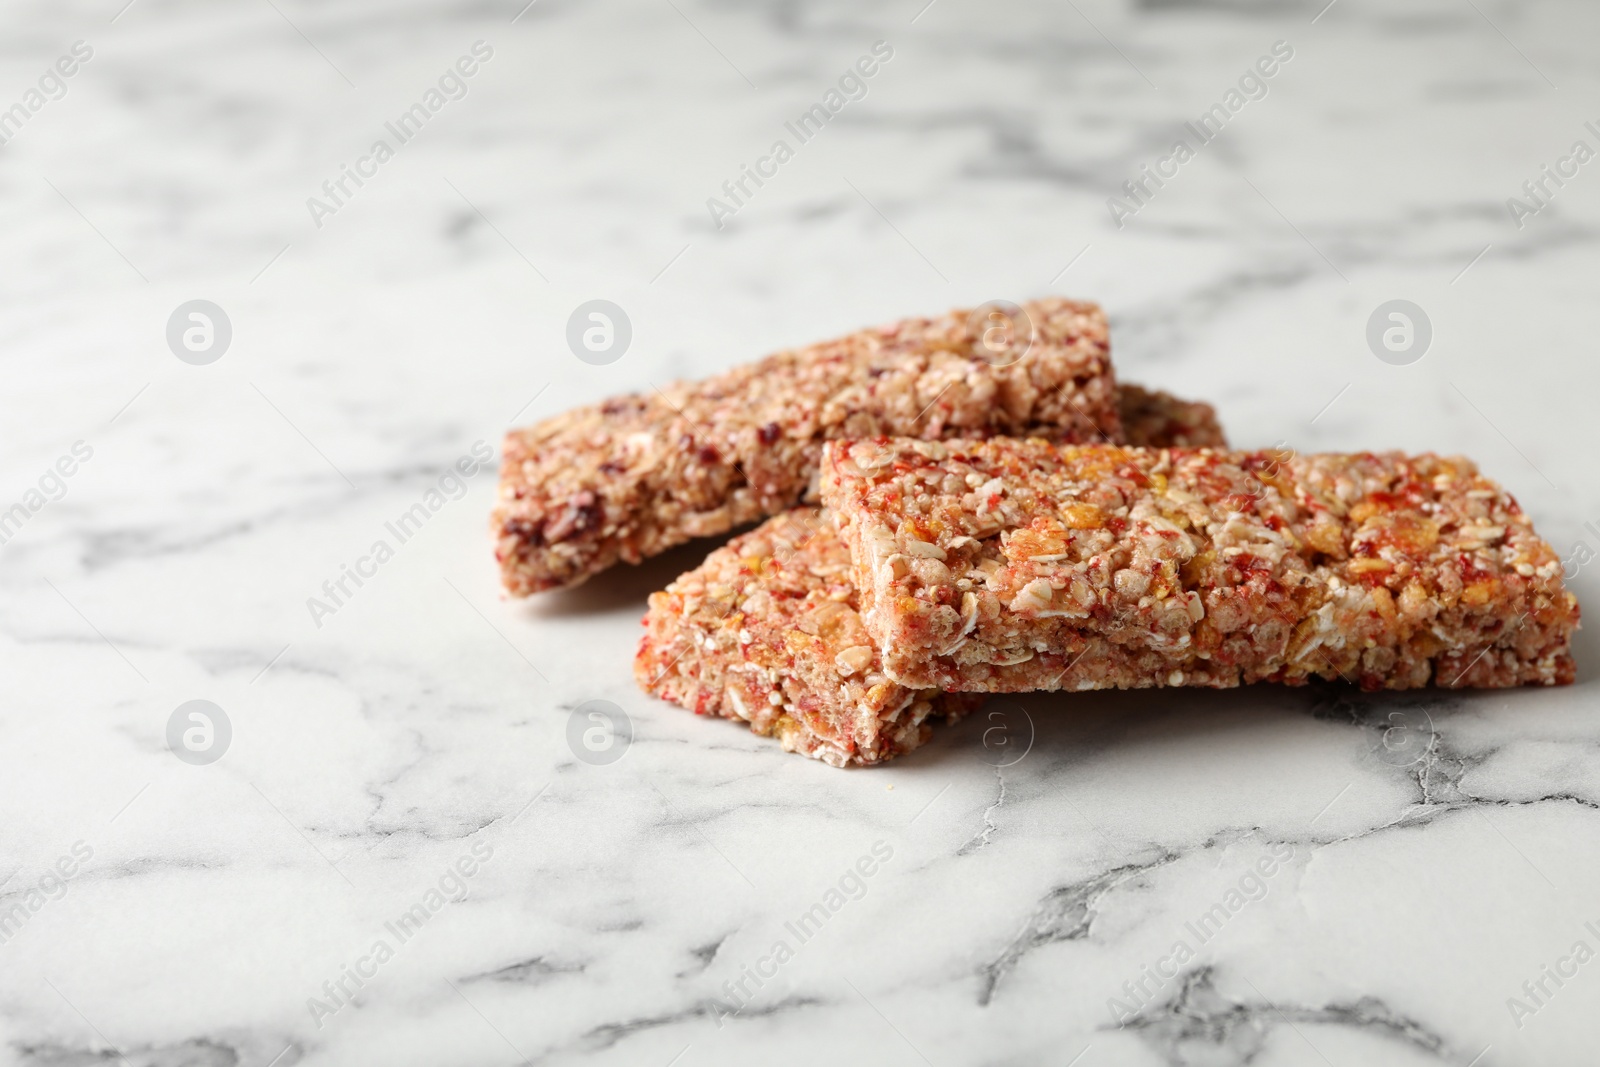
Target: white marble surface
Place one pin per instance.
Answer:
(1414, 887)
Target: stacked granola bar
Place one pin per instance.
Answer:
(1005, 517)
(1011, 565)
(636, 475)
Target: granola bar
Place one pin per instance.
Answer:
(1011, 565)
(1160, 420)
(633, 476)
(767, 629)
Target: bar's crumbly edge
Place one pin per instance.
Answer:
(766, 631)
(1007, 565)
(1157, 419)
(636, 475)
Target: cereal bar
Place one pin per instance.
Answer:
(633, 476)
(767, 630)
(1161, 420)
(1013, 565)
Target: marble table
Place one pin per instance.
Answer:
(384, 836)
